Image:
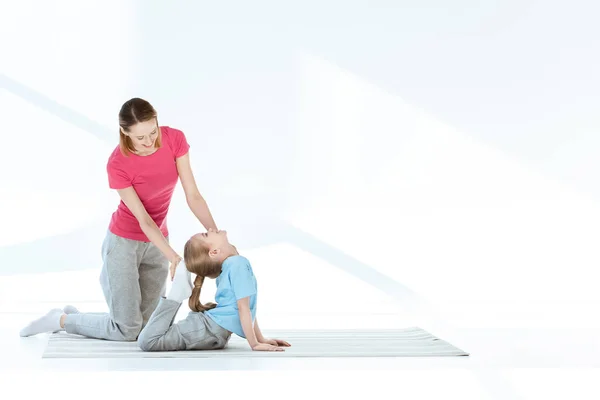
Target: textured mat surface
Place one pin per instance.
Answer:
(409, 342)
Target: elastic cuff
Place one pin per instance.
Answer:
(71, 323)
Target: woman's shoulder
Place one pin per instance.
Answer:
(170, 132)
(116, 159)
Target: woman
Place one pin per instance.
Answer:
(144, 169)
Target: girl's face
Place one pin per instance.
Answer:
(216, 241)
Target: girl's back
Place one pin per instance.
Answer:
(235, 282)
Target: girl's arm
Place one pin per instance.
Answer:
(193, 197)
(246, 321)
(262, 339)
(258, 333)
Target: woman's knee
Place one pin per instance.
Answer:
(131, 335)
(128, 333)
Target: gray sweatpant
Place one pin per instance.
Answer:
(196, 332)
(133, 279)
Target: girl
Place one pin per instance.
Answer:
(144, 169)
(208, 326)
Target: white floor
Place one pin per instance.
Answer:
(517, 350)
(504, 364)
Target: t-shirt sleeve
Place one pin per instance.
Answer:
(242, 280)
(179, 143)
(117, 177)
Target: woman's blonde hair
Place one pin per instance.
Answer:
(197, 261)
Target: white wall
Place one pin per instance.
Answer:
(373, 153)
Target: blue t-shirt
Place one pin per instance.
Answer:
(235, 282)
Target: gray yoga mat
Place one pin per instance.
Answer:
(408, 342)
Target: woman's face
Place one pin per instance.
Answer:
(143, 136)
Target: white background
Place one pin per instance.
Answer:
(366, 156)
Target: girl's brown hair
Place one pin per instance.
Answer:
(197, 261)
(132, 112)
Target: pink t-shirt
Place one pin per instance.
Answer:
(153, 177)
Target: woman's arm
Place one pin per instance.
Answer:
(194, 199)
(148, 226)
(246, 321)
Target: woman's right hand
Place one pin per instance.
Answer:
(266, 347)
(173, 267)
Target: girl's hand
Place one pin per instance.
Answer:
(277, 342)
(266, 347)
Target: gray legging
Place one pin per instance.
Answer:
(196, 332)
(133, 279)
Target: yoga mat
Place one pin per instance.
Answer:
(408, 342)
